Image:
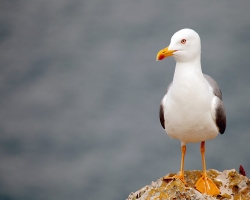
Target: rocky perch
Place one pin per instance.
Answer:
(232, 185)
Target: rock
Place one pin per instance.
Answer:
(232, 185)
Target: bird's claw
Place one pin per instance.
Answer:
(180, 177)
(206, 186)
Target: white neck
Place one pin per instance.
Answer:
(187, 69)
(189, 84)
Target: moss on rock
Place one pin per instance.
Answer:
(231, 184)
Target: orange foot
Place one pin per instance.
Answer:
(206, 186)
(181, 177)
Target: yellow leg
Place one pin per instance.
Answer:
(181, 175)
(205, 185)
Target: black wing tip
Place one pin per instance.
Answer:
(222, 126)
(222, 131)
(221, 119)
(161, 115)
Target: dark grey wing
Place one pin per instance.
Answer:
(217, 105)
(161, 112)
(214, 85)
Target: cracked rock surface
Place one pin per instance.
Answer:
(232, 185)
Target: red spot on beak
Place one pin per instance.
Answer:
(161, 57)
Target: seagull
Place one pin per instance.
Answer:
(192, 110)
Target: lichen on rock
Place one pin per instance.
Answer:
(232, 185)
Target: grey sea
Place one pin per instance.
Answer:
(80, 92)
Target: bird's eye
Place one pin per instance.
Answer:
(183, 41)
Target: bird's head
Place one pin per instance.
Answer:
(185, 46)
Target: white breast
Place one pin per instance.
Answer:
(187, 109)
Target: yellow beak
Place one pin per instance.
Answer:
(164, 53)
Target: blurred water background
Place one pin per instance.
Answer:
(80, 93)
